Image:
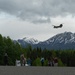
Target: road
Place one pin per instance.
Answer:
(26, 70)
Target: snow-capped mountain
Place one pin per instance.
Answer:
(66, 37)
(64, 40)
(25, 41)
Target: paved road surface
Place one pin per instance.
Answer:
(15, 70)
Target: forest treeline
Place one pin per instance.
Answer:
(14, 50)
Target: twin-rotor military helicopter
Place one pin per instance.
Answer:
(60, 26)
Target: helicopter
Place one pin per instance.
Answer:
(60, 26)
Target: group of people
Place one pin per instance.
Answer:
(23, 61)
(51, 61)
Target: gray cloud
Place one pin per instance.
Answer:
(35, 10)
(41, 20)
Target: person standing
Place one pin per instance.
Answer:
(29, 61)
(22, 59)
(50, 62)
(5, 59)
(42, 61)
(55, 61)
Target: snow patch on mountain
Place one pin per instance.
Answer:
(30, 40)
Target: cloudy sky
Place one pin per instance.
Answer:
(34, 18)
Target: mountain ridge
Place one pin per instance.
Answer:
(64, 40)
